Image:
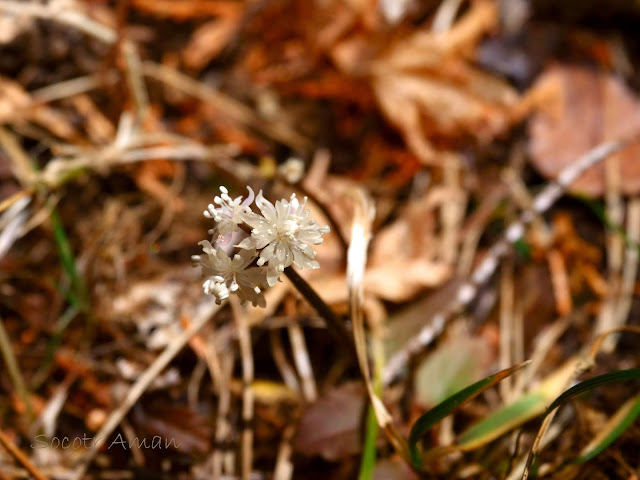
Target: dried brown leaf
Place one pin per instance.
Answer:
(331, 426)
(208, 41)
(580, 108)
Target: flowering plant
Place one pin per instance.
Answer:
(274, 239)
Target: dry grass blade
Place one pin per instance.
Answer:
(20, 162)
(70, 88)
(67, 16)
(12, 223)
(356, 264)
(232, 108)
(13, 368)
(597, 343)
(223, 428)
(302, 362)
(143, 382)
(624, 269)
(20, 457)
(246, 358)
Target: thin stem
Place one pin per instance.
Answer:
(14, 370)
(335, 326)
(16, 453)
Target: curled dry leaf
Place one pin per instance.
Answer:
(426, 87)
(578, 109)
(209, 40)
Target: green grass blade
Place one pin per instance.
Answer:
(78, 294)
(368, 462)
(616, 426)
(443, 409)
(502, 420)
(582, 387)
(590, 384)
(522, 410)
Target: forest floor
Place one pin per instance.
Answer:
(478, 166)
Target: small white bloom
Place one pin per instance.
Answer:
(280, 234)
(217, 287)
(228, 215)
(292, 170)
(225, 274)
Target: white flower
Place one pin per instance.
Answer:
(217, 287)
(280, 234)
(228, 215)
(292, 170)
(225, 274)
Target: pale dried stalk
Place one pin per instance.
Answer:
(615, 215)
(14, 370)
(131, 146)
(621, 304)
(143, 382)
(518, 344)
(301, 355)
(303, 364)
(12, 223)
(135, 79)
(130, 435)
(284, 466)
(213, 363)
(223, 429)
(72, 87)
(451, 213)
(506, 329)
(445, 15)
(549, 437)
(615, 251)
(234, 109)
(514, 232)
(20, 457)
(523, 199)
(60, 12)
(475, 227)
(356, 265)
(21, 165)
(560, 282)
(193, 387)
(630, 269)
(280, 358)
(246, 358)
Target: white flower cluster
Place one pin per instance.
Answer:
(279, 236)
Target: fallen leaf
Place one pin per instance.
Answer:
(455, 364)
(331, 426)
(578, 109)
